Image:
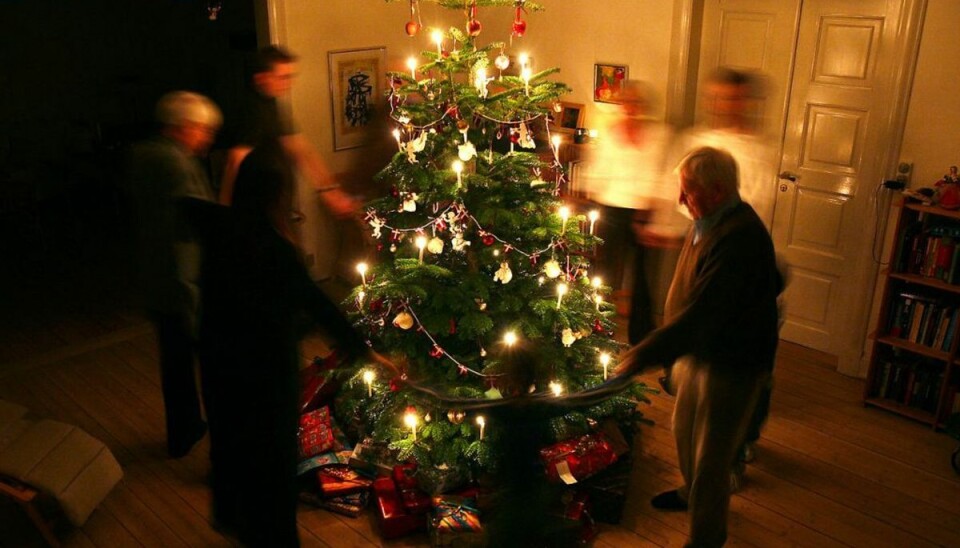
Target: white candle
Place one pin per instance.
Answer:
(368, 377)
(524, 59)
(510, 338)
(556, 388)
(410, 419)
(605, 361)
(362, 269)
(360, 297)
(556, 144)
(593, 216)
(526, 73)
(561, 291)
(480, 82)
(596, 282)
(396, 135)
(598, 299)
(421, 242)
(412, 65)
(482, 423)
(438, 38)
(564, 215)
(458, 169)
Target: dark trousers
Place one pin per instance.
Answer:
(181, 400)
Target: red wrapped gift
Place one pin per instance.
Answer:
(393, 519)
(337, 480)
(412, 498)
(576, 459)
(316, 387)
(403, 475)
(316, 433)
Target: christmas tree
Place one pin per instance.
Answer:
(476, 253)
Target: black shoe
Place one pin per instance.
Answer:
(669, 501)
(180, 448)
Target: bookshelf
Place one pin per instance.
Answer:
(915, 367)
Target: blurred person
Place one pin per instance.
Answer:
(163, 170)
(262, 121)
(625, 175)
(257, 294)
(720, 334)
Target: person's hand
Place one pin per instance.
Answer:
(648, 238)
(340, 203)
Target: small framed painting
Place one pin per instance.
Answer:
(569, 118)
(608, 82)
(356, 88)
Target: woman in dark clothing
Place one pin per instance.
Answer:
(256, 293)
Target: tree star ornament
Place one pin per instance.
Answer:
(504, 275)
(403, 320)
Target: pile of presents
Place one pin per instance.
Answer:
(589, 473)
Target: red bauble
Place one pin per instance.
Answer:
(394, 191)
(519, 27)
(412, 28)
(376, 305)
(474, 27)
(597, 326)
(379, 247)
(488, 239)
(395, 384)
(436, 352)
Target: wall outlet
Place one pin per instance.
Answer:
(905, 173)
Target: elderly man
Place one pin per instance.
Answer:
(720, 333)
(163, 170)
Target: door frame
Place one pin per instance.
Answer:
(681, 102)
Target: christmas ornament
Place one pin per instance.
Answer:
(466, 151)
(493, 394)
(502, 62)
(473, 25)
(436, 352)
(213, 9)
(427, 417)
(504, 275)
(525, 137)
(552, 268)
(435, 246)
(519, 25)
(488, 239)
(567, 337)
(403, 320)
(393, 248)
(597, 326)
(413, 146)
(413, 25)
(456, 416)
(458, 242)
(481, 304)
(395, 384)
(409, 203)
(376, 305)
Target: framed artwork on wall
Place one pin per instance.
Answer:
(356, 87)
(569, 118)
(608, 82)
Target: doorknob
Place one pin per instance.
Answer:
(789, 176)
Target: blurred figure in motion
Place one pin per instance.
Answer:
(625, 176)
(162, 171)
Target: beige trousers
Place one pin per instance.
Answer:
(710, 420)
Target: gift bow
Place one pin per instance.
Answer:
(455, 516)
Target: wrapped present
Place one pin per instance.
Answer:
(316, 433)
(316, 386)
(607, 492)
(437, 480)
(573, 460)
(403, 475)
(393, 519)
(316, 461)
(336, 480)
(372, 457)
(455, 522)
(348, 505)
(612, 432)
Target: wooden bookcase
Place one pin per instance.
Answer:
(915, 367)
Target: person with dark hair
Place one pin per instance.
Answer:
(720, 335)
(262, 121)
(256, 293)
(163, 170)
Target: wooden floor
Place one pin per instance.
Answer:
(829, 472)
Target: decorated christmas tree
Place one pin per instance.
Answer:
(476, 254)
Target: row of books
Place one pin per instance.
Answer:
(924, 320)
(931, 252)
(912, 384)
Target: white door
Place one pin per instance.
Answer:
(840, 82)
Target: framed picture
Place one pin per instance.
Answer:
(356, 88)
(608, 82)
(569, 118)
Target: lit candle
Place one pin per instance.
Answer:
(561, 291)
(362, 269)
(438, 38)
(604, 361)
(598, 299)
(410, 419)
(596, 282)
(482, 423)
(556, 144)
(396, 135)
(510, 338)
(480, 82)
(541, 280)
(368, 377)
(524, 59)
(564, 215)
(421, 242)
(556, 388)
(593, 216)
(458, 169)
(526, 73)
(360, 297)
(412, 65)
